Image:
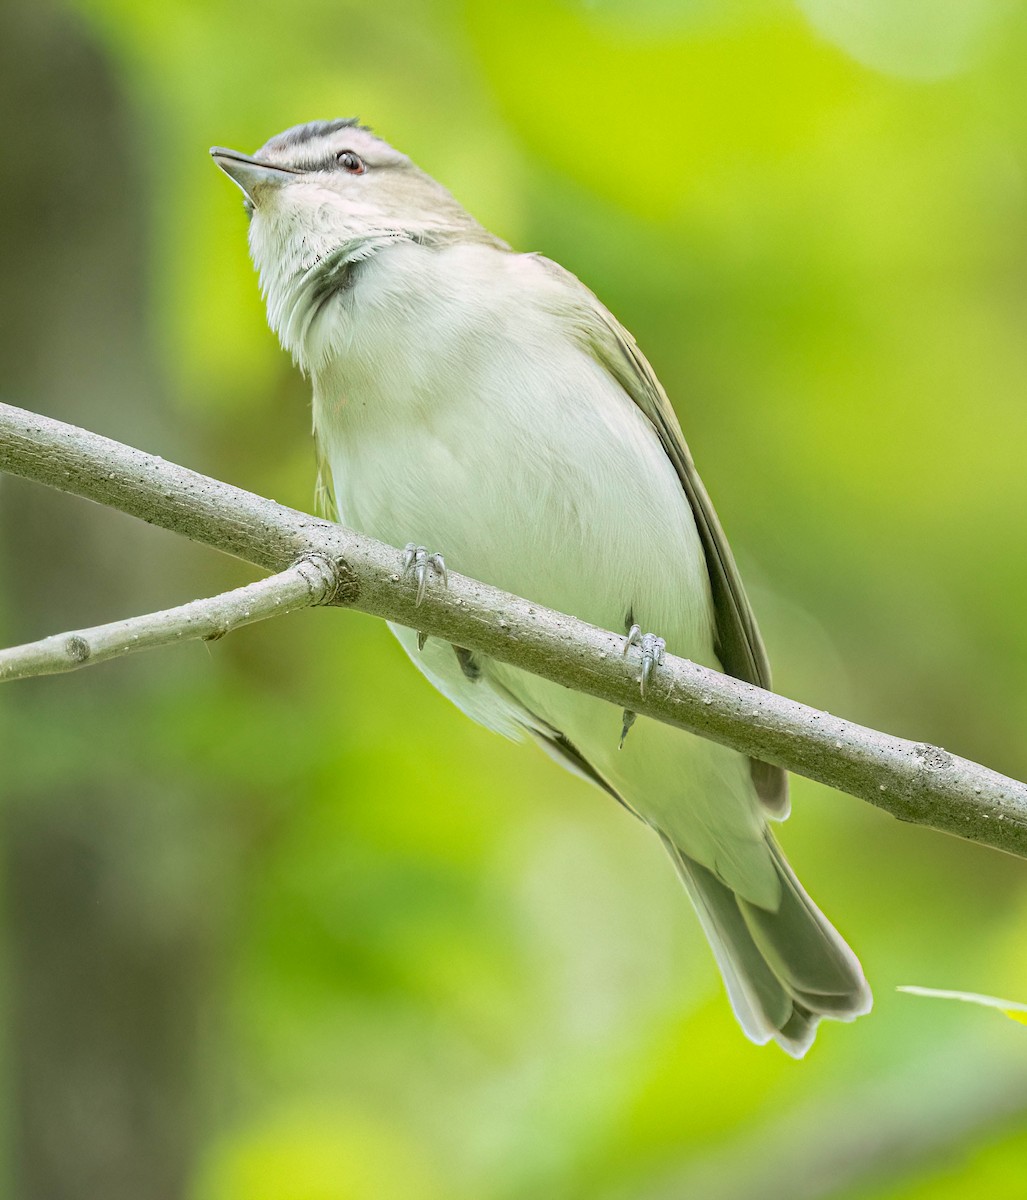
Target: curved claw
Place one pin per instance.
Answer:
(417, 561)
(439, 564)
(653, 651)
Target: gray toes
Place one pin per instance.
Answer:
(417, 561)
(470, 666)
(653, 651)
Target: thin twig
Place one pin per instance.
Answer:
(911, 780)
(310, 581)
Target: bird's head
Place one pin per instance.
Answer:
(323, 197)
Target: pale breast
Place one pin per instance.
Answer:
(463, 416)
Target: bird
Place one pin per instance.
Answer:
(482, 408)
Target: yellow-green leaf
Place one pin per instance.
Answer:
(1013, 1009)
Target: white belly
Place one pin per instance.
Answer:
(482, 433)
(491, 438)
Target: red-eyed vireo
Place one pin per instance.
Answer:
(482, 405)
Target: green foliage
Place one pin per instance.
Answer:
(448, 969)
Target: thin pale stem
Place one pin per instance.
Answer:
(307, 582)
(913, 781)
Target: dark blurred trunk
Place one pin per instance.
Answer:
(104, 978)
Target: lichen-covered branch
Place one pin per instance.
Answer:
(913, 781)
(310, 580)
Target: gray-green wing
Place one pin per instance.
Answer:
(324, 492)
(738, 643)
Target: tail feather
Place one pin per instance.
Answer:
(785, 969)
(805, 951)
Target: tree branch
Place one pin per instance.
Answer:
(913, 781)
(310, 580)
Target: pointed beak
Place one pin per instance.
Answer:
(250, 173)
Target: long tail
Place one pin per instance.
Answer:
(784, 970)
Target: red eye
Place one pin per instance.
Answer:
(351, 162)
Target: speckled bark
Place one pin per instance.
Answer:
(913, 781)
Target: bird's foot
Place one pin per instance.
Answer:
(418, 561)
(653, 649)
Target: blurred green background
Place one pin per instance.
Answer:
(280, 924)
